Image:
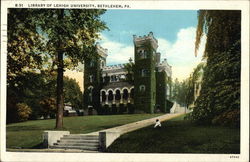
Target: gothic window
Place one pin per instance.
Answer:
(125, 94)
(91, 78)
(110, 95)
(144, 72)
(101, 64)
(103, 96)
(142, 88)
(142, 53)
(91, 64)
(114, 78)
(139, 52)
(90, 94)
(117, 95)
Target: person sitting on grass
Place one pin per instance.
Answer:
(157, 124)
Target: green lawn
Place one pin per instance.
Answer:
(179, 136)
(29, 134)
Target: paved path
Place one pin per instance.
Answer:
(137, 125)
(179, 109)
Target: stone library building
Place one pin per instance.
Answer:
(142, 86)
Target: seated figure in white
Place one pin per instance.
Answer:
(157, 124)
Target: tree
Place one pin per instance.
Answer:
(220, 91)
(24, 55)
(23, 111)
(48, 107)
(24, 45)
(72, 34)
(69, 34)
(72, 93)
(180, 91)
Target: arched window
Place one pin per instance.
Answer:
(103, 96)
(117, 95)
(142, 53)
(125, 94)
(91, 78)
(144, 72)
(110, 96)
(90, 93)
(142, 88)
(102, 64)
(91, 64)
(145, 54)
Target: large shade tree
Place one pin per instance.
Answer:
(68, 34)
(219, 100)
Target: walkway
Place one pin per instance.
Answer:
(137, 125)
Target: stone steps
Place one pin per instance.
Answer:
(78, 144)
(78, 141)
(79, 138)
(76, 147)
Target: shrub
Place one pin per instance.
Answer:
(131, 108)
(23, 111)
(48, 107)
(106, 110)
(228, 118)
(114, 109)
(121, 109)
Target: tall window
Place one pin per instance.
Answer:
(144, 72)
(91, 63)
(91, 78)
(103, 96)
(142, 53)
(142, 88)
(90, 93)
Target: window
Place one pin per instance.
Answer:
(102, 64)
(90, 93)
(91, 78)
(91, 64)
(144, 72)
(142, 53)
(114, 78)
(142, 88)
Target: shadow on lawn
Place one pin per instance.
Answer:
(38, 146)
(179, 137)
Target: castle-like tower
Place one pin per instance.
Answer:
(145, 80)
(92, 77)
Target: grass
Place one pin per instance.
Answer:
(29, 134)
(179, 136)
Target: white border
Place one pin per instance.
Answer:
(157, 5)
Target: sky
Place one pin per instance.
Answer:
(174, 29)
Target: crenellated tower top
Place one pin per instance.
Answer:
(139, 41)
(103, 52)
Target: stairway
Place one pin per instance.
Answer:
(78, 141)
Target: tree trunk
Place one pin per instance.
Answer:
(59, 92)
(59, 89)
